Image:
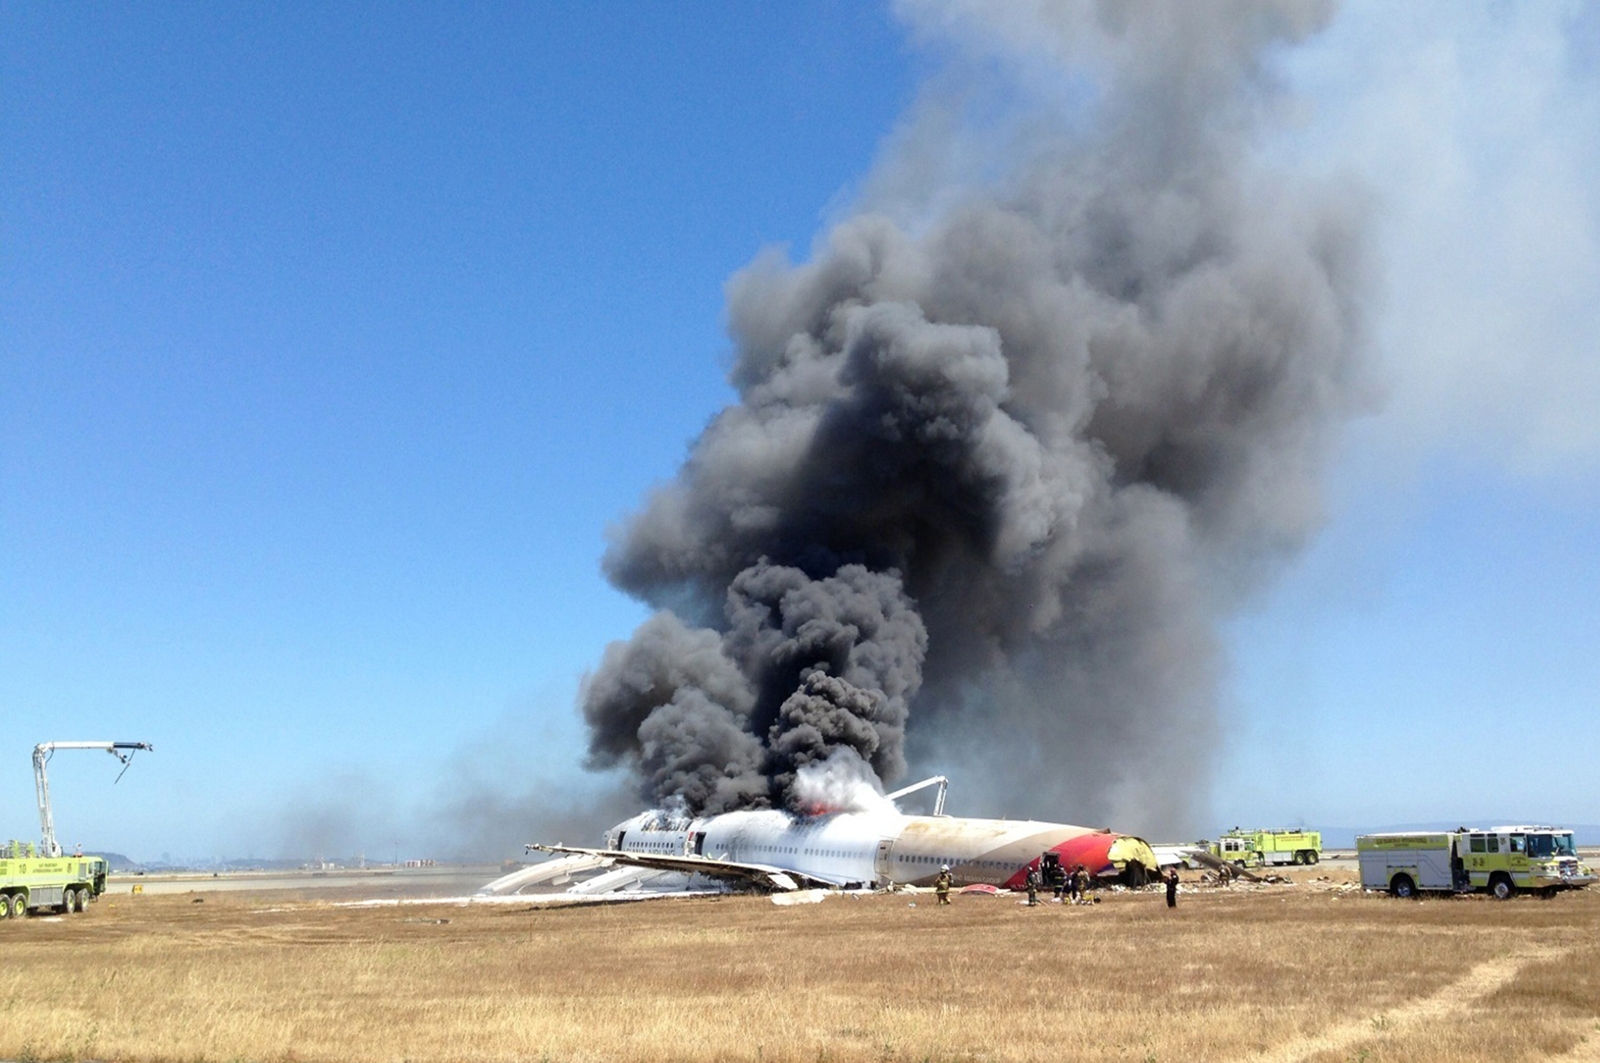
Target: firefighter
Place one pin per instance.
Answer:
(1172, 887)
(1033, 886)
(1080, 884)
(1058, 878)
(941, 885)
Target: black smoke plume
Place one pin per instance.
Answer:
(1004, 454)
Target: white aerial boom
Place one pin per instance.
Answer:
(938, 800)
(42, 752)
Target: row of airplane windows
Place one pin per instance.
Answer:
(951, 860)
(677, 848)
(807, 852)
(955, 860)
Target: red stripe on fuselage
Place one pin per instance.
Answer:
(1093, 851)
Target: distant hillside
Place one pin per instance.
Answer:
(115, 861)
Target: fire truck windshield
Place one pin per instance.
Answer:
(1543, 846)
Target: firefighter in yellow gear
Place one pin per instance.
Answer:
(942, 884)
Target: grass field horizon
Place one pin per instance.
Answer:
(1303, 972)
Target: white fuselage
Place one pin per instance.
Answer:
(882, 847)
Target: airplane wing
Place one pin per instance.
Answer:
(1204, 858)
(1169, 855)
(761, 876)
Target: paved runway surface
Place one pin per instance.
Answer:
(408, 882)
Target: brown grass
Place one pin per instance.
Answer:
(1283, 974)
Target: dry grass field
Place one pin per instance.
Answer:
(1285, 973)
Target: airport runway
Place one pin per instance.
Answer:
(425, 882)
(388, 882)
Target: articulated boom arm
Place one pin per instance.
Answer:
(42, 752)
(938, 801)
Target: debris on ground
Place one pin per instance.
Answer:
(982, 889)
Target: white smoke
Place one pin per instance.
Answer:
(842, 782)
(1476, 128)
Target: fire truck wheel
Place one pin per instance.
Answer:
(83, 900)
(1502, 889)
(1312, 856)
(19, 905)
(1403, 887)
(5, 906)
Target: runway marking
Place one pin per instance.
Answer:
(1482, 980)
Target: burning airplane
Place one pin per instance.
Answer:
(871, 846)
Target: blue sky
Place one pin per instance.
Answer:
(333, 338)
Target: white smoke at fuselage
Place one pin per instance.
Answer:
(842, 782)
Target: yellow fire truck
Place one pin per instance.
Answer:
(31, 882)
(1254, 848)
(1499, 860)
(33, 879)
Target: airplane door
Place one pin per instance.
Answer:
(881, 866)
(697, 845)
